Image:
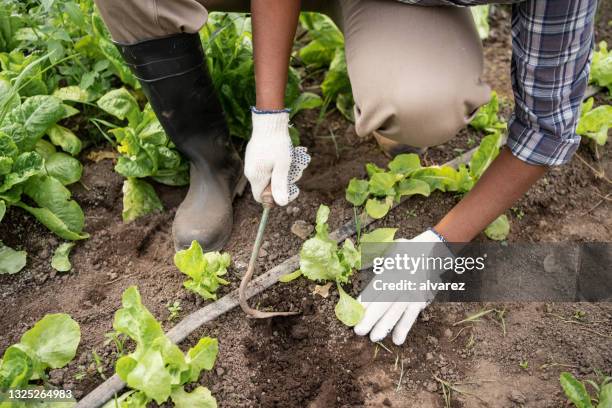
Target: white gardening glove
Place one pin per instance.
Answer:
(270, 157)
(382, 317)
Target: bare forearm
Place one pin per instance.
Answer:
(504, 182)
(274, 26)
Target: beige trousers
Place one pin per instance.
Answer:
(415, 71)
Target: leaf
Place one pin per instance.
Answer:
(28, 122)
(53, 222)
(594, 123)
(321, 221)
(499, 229)
(198, 398)
(412, 186)
(350, 257)
(378, 208)
(8, 148)
(151, 376)
(63, 167)
(605, 396)
(306, 100)
(381, 184)
(135, 321)
(481, 19)
(65, 139)
(11, 261)
(319, 261)
(202, 356)
(336, 80)
(191, 261)
(486, 117)
(357, 191)
(44, 149)
(26, 166)
(379, 235)
(443, 178)
(348, 310)
(52, 196)
(405, 164)
(601, 67)
(575, 391)
(16, 369)
(61, 261)
(290, 276)
(53, 340)
(204, 270)
(139, 199)
(121, 104)
(371, 169)
(2, 209)
(485, 154)
(72, 93)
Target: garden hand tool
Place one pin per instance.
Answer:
(267, 202)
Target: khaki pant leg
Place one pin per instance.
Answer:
(415, 71)
(131, 21)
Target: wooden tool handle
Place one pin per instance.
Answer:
(266, 197)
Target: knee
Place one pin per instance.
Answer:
(419, 114)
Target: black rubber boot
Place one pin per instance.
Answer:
(175, 79)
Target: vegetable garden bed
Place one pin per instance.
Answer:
(312, 359)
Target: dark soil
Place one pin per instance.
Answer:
(312, 360)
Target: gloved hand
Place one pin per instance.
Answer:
(270, 156)
(382, 317)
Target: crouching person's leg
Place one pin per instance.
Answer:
(160, 43)
(415, 71)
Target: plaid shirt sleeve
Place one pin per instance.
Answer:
(551, 50)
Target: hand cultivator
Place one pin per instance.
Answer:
(268, 204)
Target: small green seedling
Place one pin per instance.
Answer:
(174, 309)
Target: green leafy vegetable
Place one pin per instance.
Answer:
(485, 154)
(481, 19)
(357, 191)
(204, 269)
(594, 123)
(326, 50)
(322, 260)
(158, 369)
(51, 343)
(499, 229)
(486, 118)
(61, 261)
(575, 391)
(139, 198)
(146, 151)
(11, 261)
(378, 208)
(348, 310)
(601, 67)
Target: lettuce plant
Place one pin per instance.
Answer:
(323, 260)
(204, 269)
(228, 44)
(30, 165)
(51, 343)
(146, 151)
(595, 122)
(158, 370)
(601, 67)
(326, 50)
(406, 176)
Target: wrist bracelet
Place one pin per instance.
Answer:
(269, 112)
